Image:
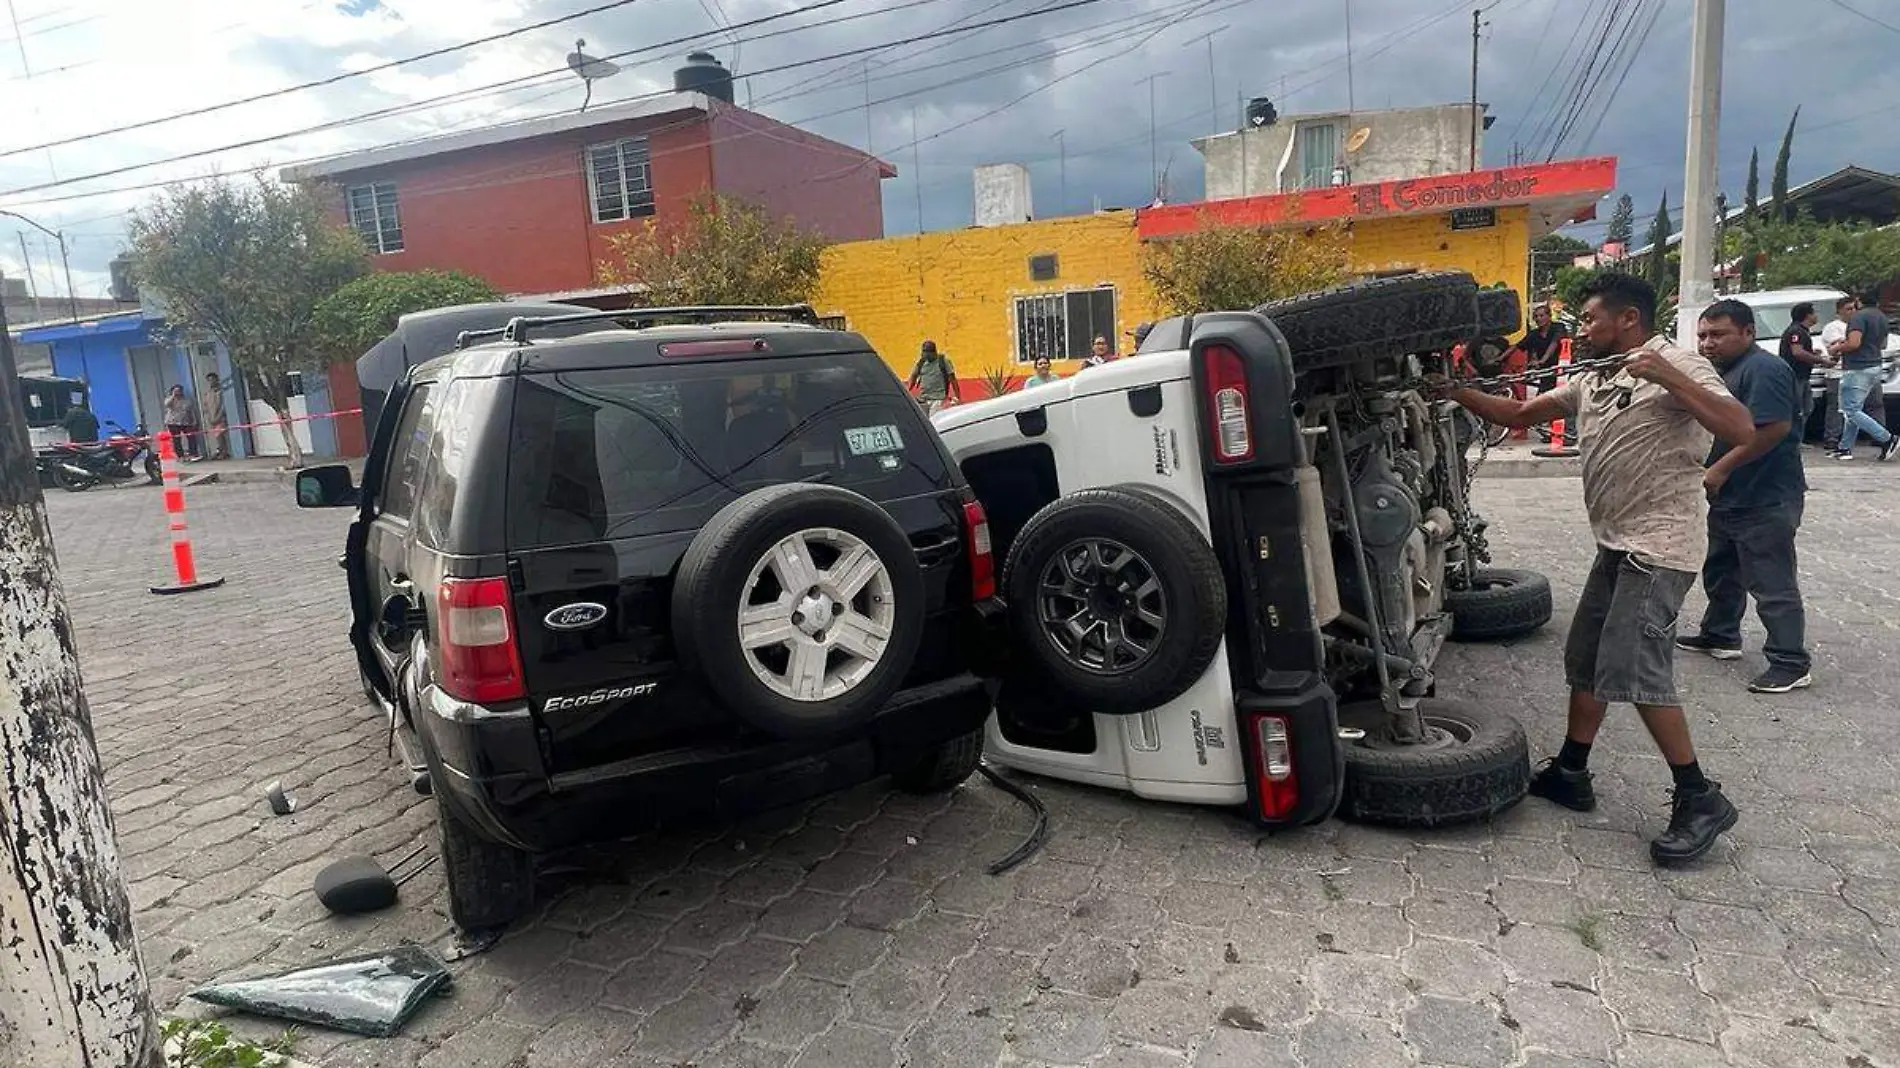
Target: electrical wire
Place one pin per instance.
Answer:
(657, 94)
(1564, 114)
(1845, 6)
(1621, 60)
(1550, 74)
(1642, 39)
(212, 109)
(1569, 72)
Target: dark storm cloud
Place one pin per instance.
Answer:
(1000, 94)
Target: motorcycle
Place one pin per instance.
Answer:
(77, 467)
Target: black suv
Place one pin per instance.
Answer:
(687, 562)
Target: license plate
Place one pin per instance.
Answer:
(867, 440)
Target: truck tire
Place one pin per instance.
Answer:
(1117, 601)
(1476, 765)
(1500, 603)
(942, 767)
(840, 650)
(489, 884)
(1499, 311)
(1380, 317)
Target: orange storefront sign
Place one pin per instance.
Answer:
(1580, 180)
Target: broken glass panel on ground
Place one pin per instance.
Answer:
(368, 995)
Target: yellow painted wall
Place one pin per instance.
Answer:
(958, 287)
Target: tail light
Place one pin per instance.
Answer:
(976, 529)
(1224, 376)
(476, 628)
(1270, 752)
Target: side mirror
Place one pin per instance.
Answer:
(328, 486)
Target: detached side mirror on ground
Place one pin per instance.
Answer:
(328, 486)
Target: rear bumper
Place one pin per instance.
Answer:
(488, 768)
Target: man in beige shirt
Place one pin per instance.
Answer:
(1645, 426)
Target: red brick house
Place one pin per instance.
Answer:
(530, 205)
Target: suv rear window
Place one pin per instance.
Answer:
(649, 450)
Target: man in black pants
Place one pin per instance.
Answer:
(1756, 494)
(1645, 425)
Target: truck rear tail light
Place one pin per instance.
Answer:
(976, 530)
(1224, 377)
(476, 629)
(718, 347)
(1270, 754)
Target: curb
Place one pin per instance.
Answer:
(1533, 468)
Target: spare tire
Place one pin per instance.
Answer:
(1116, 599)
(1499, 311)
(801, 606)
(1473, 765)
(1380, 317)
(1500, 603)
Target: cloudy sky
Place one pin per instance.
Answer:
(73, 68)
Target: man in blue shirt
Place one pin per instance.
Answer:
(1860, 355)
(1756, 494)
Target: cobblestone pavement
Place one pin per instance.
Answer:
(861, 930)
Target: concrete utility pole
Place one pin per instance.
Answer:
(72, 295)
(1696, 287)
(1154, 151)
(1062, 170)
(1476, 26)
(72, 989)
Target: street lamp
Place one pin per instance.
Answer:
(72, 297)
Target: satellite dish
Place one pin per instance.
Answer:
(589, 68)
(1358, 139)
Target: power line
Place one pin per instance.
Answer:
(1587, 98)
(1845, 6)
(164, 183)
(273, 94)
(1549, 75)
(1570, 95)
(1642, 39)
(471, 93)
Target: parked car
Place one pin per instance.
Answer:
(688, 561)
(1232, 562)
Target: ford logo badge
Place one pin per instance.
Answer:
(575, 616)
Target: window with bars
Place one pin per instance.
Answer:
(620, 180)
(1061, 326)
(373, 213)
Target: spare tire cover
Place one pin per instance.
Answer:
(801, 606)
(1116, 599)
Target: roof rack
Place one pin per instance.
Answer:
(516, 332)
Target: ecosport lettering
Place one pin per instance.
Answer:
(599, 697)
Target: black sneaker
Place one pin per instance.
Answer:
(1843, 455)
(1696, 819)
(1892, 446)
(1571, 789)
(1699, 643)
(1781, 680)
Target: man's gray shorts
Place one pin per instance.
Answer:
(1622, 644)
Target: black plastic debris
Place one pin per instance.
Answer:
(358, 884)
(281, 803)
(355, 884)
(370, 995)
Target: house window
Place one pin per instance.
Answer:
(1061, 326)
(620, 180)
(373, 213)
(1319, 152)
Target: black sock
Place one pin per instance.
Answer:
(1574, 756)
(1689, 776)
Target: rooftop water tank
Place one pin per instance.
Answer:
(703, 73)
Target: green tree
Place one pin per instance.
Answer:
(363, 312)
(246, 261)
(1224, 268)
(1656, 267)
(1622, 223)
(1568, 285)
(1778, 189)
(1552, 253)
(1751, 196)
(725, 251)
(1850, 258)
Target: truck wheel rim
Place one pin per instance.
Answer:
(1101, 605)
(816, 614)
